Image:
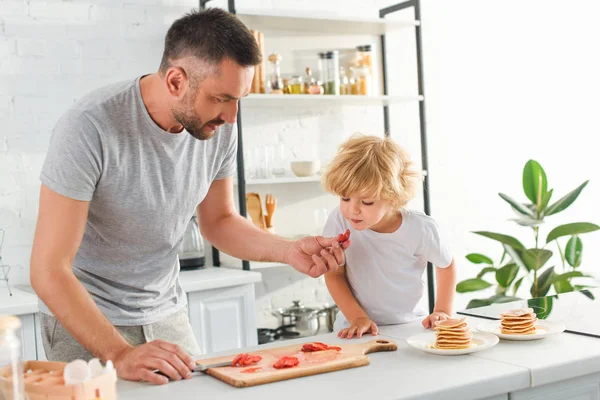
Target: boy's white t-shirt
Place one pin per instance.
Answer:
(386, 270)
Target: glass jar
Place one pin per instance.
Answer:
(296, 85)
(344, 82)
(332, 85)
(364, 57)
(311, 85)
(361, 81)
(275, 83)
(322, 77)
(11, 384)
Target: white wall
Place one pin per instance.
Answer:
(505, 82)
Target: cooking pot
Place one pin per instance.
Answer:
(304, 319)
(327, 316)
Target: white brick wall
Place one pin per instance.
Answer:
(52, 52)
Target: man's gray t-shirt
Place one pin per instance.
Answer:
(143, 185)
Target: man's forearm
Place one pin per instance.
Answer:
(238, 237)
(74, 308)
(446, 285)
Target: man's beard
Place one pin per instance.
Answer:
(193, 124)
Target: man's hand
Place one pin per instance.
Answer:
(138, 363)
(316, 255)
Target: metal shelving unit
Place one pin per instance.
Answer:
(340, 26)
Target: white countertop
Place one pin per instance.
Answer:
(216, 277)
(403, 374)
(24, 300)
(20, 303)
(407, 373)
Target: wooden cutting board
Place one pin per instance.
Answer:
(311, 363)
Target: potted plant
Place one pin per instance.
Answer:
(520, 263)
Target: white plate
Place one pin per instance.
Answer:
(479, 342)
(543, 329)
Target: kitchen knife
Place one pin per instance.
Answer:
(201, 367)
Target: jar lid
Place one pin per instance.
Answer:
(364, 47)
(9, 323)
(275, 58)
(331, 54)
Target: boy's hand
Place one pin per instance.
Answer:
(358, 327)
(429, 321)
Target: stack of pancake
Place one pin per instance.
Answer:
(452, 334)
(518, 322)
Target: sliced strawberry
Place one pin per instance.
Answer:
(237, 359)
(286, 362)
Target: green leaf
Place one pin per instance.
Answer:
(582, 289)
(515, 255)
(546, 200)
(472, 285)
(587, 294)
(562, 286)
(503, 255)
(478, 303)
(500, 298)
(575, 228)
(507, 274)
(477, 258)
(535, 259)
(543, 283)
(505, 239)
(572, 274)
(542, 306)
(573, 251)
(527, 221)
(566, 201)
(520, 208)
(517, 285)
(485, 271)
(535, 184)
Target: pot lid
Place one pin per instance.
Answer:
(297, 310)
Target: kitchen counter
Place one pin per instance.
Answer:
(519, 368)
(25, 301)
(215, 278)
(20, 303)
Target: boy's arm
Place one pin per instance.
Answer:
(342, 295)
(446, 284)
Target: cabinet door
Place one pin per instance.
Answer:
(28, 345)
(223, 319)
(41, 353)
(581, 388)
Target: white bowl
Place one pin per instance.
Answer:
(305, 168)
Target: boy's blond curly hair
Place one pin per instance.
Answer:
(372, 166)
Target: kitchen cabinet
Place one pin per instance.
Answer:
(223, 319)
(28, 337)
(585, 387)
(221, 310)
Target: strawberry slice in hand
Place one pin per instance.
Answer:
(342, 237)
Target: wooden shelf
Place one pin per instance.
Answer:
(306, 100)
(320, 24)
(283, 180)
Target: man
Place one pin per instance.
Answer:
(126, 168)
